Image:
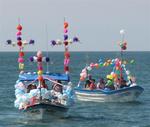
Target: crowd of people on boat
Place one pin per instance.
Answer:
(32, 93)
(108, 84)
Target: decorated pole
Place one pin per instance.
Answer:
(20, 43)
(39, 59)
(123, 46)
(66, 41)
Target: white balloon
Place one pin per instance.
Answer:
(89, 68)
(128, 72)
(122, 31)
(58, 42)
(35, 58)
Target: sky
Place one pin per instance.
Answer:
(96, 22)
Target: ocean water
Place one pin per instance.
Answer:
(89, 114)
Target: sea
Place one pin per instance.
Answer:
(81, 114)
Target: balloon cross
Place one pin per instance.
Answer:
(21, 45)
(66, 41)
(39, 59)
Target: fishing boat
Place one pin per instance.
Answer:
(43, 100)
(39, 92)
(119, 86)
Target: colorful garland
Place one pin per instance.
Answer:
(117, 64)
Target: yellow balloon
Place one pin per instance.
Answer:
(40, 72)
(21, 66)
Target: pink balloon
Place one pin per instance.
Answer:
(18, 33)
(40, 68)
(39, 54)
(65, 30)
(20, 60)
(66, 62)
(39, 64)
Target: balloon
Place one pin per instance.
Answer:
(128, 72)
(83, 75)
(67, 54)
(96, 65)
(70, 41)
(31, 41)
(89, 68)
(101, 64)
(100, 60)
(19, 38)
(9, 42)
(21, 66)
(66, 61)
(18, 33)
(19, 43)
(35, 58)
(132, 61)
(39, 59)
(40, 72)
(66, 68)
(65, 37)
(53, 42)
(58, 42)
(20, 60)
(75, 39)
(122, 31)
(109, 77)
(31, 59)
(117, 68)
(40, 78)
(65, 43)
(40, 68)
(39, 54)
(124, 47)
(21, 54)
(125, 43)
(65, 25)
(65, 31)
(24, 42)
(82, 78)
(19, 27)
(47, 59)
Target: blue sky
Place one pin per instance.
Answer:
(96, 22)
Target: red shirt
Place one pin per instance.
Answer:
(92, 86)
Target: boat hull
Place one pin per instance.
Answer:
(127, 94)
(43, 111)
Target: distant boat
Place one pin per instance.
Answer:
(119, 87)
(126, 94)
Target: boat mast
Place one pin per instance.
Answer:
(47, 63)
(123, 47)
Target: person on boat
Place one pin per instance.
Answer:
(117, 83)
(110, 85)
(87, 84)
(92, 85)
(123, 83)
(43, 85)
(31, 87)
(133, 82)
(101, 84)
(57, 87)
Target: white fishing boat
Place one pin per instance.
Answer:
(119, 86)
